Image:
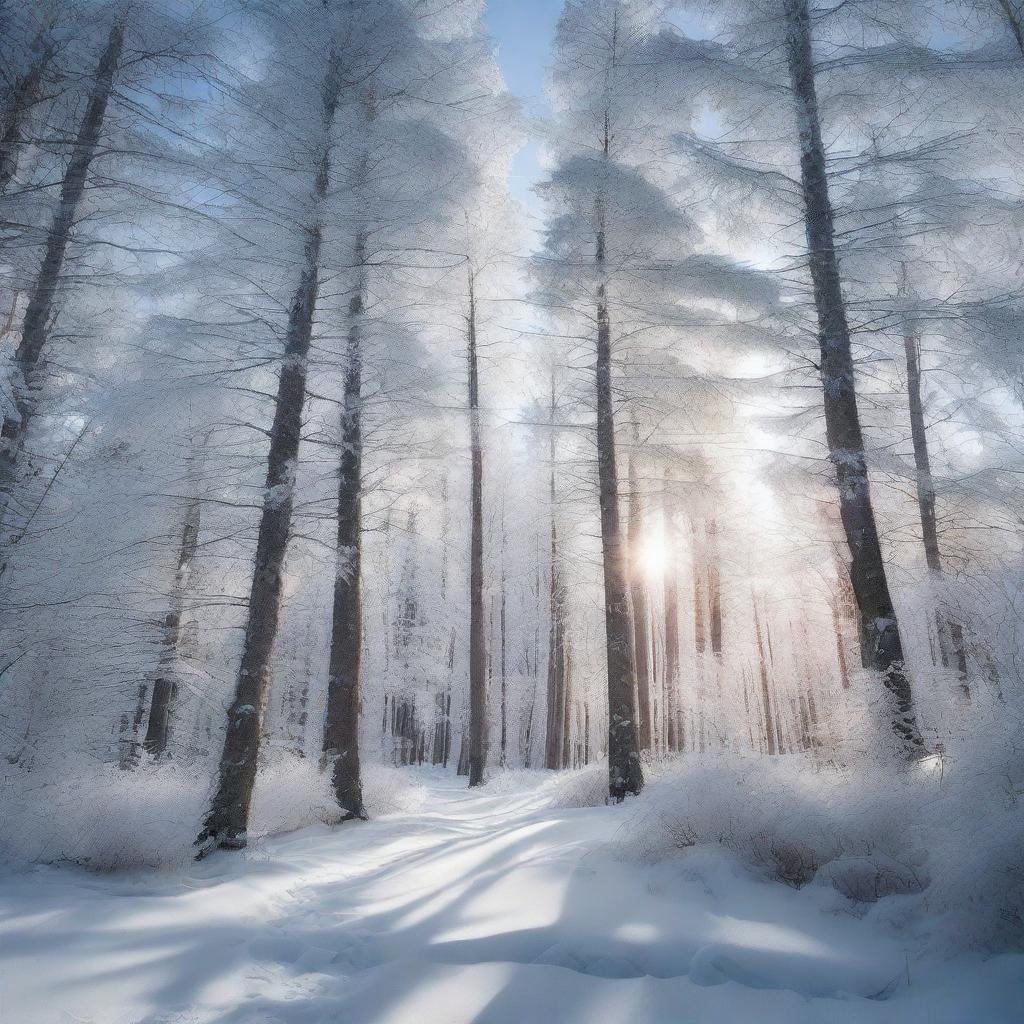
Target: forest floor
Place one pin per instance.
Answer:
(489, 906)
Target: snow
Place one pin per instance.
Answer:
(508, 904)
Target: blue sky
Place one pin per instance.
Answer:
(523, 30)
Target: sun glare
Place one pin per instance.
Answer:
(654, 554)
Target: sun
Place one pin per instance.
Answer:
(654, 554)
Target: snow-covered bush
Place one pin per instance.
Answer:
(945, 838)
(389, 790)
(102, 818)
(107, 819)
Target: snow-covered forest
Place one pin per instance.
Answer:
(469, 555)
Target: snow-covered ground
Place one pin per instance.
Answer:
(498, 907)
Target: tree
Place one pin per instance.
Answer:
(226, 822)
(477, 648)
(38, 314)
(882, 644)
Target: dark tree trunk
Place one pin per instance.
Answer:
(641, 613)
(341, 724)
(477, 648)
(951, 635)
(165, 684)
(879, 625)
(625, 775)
(40, 309)
(227, 820)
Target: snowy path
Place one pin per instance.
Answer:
(492, 908)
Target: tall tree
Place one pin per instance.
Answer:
(557, 659)
(226, 822)
(477, 643)
(882, 643)
(341, 723)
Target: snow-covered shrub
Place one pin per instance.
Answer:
(107, 819)
(102, 818)
(946, 835)
(290, 793)
(389, 790)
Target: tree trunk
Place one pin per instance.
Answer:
(673, 736)
(40, 307)
(641, 612)
(879, 625)
(165, 684)
(341, 723)
(477, 648)
(227, 821)
(556, 621)
(714, 577)
(951, 636)
(625, 775)
(766, 700)
(501, 633)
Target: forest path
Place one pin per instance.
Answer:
(493, 907)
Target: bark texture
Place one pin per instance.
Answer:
(880, 632)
